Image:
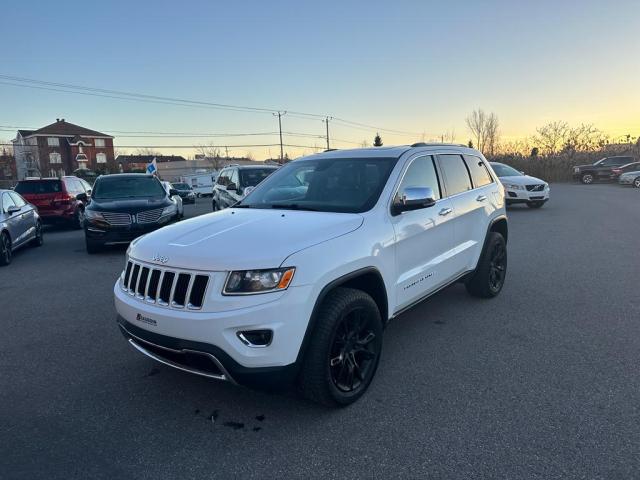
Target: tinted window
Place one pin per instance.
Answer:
(503, 170)
(251, 177)
(17, 199)
(421, 173)
(234, 177)
(479, 173)
(181, 186)
(38, 186)
(7, 202)
(456, 176)
(324, 184)
(223, 178)
(127, 187)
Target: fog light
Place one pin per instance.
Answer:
(256, 338)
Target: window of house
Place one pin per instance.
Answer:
(421, 173)
(101, 158)
(53, 141)
(456, 175)
(479, 173)
(100, 142)
(55, 157)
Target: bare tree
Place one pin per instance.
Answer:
(211, 154)
(485, 130)
(552, 137)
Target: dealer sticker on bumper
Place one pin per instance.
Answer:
(147, 320)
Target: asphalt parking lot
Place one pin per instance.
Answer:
(541, 382)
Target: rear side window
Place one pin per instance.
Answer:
(421, 173)
(73, 186)
(38, 186)
(17, 199)
(456, 175)
(479, 173)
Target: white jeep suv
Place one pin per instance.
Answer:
(296, 282)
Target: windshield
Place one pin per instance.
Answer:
(181, 186)
(503, 170)
(350, 185)
(250, 177)
(127, 187)
(38, 186)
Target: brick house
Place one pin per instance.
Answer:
(60, 149)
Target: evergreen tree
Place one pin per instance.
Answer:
(377, 141)
(470, 144)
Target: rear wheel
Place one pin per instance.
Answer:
(488, 279)
(345, 349)
(5, 249)
(38, 240)
(636, 182)
(535, 204)
(93, 246)
(78, 219)
(587, 178)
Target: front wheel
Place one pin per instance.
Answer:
(488, 279)
(636, 182)
(5, 249)
(587, 178)
(344, 350)
(535, 204)
(38, 240)
(78, 219)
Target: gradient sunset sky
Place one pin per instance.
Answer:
(415, 66)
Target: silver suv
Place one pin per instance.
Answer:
(19, 225)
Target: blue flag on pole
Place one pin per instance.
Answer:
(152, 167)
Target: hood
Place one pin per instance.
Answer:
(521, 180)
(241, 239)
(128, 205)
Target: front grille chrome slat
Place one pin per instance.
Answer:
(117, 219)
(168, 288)
(535, 188)
(149, 216)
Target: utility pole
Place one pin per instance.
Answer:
(326, 121)
(279, 115)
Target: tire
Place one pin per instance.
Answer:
(535, 204)
(587, 178)
(488, 278)
(38, 240)
(78, 219)
(344, 351)
(5, 249)
(93, 246)
(636, 182)
(214, 206)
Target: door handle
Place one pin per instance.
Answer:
(445, 211)
(481, 198)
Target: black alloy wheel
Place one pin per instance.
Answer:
(5, 249)
(498, 266)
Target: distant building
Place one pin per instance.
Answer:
(134, 163)
(60, 149)
(7, 169)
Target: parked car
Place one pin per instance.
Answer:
(630, 178)
(186, 192)
(175, 197)
(201, 183)
(629, 167)
(521, 188)
(601, 170)
(20, 225)
(58, 200)
(297, 281)
(124, 206)
(235, 182)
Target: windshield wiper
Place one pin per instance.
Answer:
(293, 206)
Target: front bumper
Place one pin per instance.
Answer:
(112, 235)
(215, 334)
(525, 196)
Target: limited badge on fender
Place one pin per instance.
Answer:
(143, 319)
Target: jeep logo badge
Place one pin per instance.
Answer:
(160, 258)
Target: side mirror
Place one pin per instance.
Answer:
(232, 186)
(13, 209)
(82, 197)
(172, 192)
(414, 198)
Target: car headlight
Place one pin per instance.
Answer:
(170, 210)
(93, 215)
(248, 282)
(512, 186)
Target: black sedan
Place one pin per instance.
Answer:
(185, 192)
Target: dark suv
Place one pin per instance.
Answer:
(125, 206)
(601, 170)
(57, 199)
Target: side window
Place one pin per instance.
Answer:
(421, 173)
(17, 199)
(234, 177)
(7, 202)
(222, 178)
(479, 173)
(456, 175)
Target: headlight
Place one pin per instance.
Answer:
(511, 186)
(93, 215)
(247, 282)
(170, 210)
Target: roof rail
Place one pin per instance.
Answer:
(331, 149)
(438, 144)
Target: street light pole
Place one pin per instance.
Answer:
(279, 115)
(326, 121)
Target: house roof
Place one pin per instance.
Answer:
(148, 158)
(25, 133)
(63, 128)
